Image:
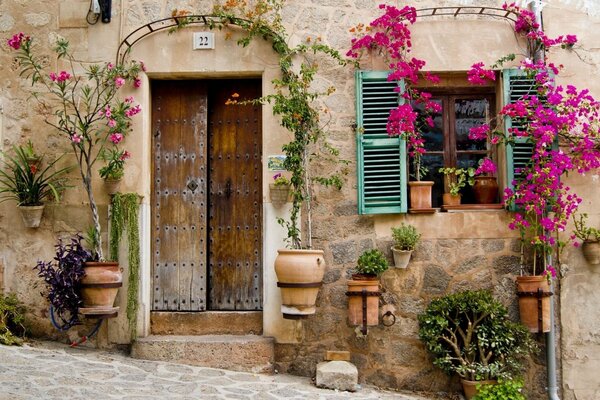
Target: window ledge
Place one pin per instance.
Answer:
(473, 207)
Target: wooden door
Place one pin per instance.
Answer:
(235, 197)
(188, 186)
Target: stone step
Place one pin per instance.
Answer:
(206, 323)
(246, 353)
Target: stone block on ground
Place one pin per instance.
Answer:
(337, 375)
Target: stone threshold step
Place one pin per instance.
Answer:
(246, 353)
(206, 323)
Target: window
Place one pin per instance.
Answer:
(447, 143)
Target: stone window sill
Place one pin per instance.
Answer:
(473, 207)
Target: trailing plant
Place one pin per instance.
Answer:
(12, 318)
(458, 178)
(23, 180)
(63, 279)
(406, 237)
(582, 231)
(294, 100)
(124, 215)
(553, 114)
(84, 109)
(469, 334)
(503, 390)
(390, 36)
(372, 262)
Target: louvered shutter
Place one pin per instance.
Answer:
(517, 85)
(381, 159)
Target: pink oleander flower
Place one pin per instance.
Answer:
(478, 75)
(110, 66)
(107, 112)
(133, 111)
(486, 166)
(129, 100)
(137, 82)
(116, 138)
(17, 40)
(143, 66)
(61, 77)
(125, 155)
(112, 123)
(75, 138)
(119, 81)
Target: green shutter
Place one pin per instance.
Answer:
(381, 160)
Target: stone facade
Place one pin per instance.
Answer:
(459, 251)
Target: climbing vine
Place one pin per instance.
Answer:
(124, 214)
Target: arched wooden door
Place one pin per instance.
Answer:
(206, 196)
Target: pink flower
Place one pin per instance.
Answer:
(478, 75)
(110, 66)
(75, 138)
(116, 137)
(133, 111)
(486, 166)
(129, 100)
(17, 40)
(106, 112)
(119, 81)
(61, 77)
(137, 82)
(143, 66)
(125, 155)
(112, 123)
(479, 132)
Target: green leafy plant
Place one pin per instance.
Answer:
(372, 262)
(25, 181)
(469, 334)
(115, 167)
(406, 237)
(12, 317)
(582, 231)
(503, 390)
(124, 216)
(280, 180)
(458, 178)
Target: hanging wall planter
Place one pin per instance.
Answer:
(401, 257)
(112, 186)
(32, 215)
(534, 302)
(363, 300)
(280, 194)
(299, 276)
(591, 251)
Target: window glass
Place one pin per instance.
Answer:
(469, 113)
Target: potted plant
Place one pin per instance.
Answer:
(469, 334)
(405, 238)
(84, 108)
(504, 389)
(279, 190)
(454, 180)
(590, 239)
(113, 171)
(485, 186)
(23, 179)
(370, 265)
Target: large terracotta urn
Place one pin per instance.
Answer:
(485, 189)
(100, 284)
(530, 302)
(300, 276)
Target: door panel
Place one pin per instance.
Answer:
(179, 212)
(235, 214)
(206, 162)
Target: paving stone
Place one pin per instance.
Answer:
(337, 375)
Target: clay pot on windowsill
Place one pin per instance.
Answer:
(32, 215)
(420, 194)
(449, 199)
(485, 189)
(470, 387)
(591, 251)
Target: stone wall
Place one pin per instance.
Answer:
(459, 251)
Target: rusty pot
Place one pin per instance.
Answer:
(485, 189)
(529, 302)
(300, 276)
(355, 300)
(420, 194)
(470, 387)
(100, 284)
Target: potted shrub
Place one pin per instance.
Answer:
(590, 239)
(508, 389)
(370, 265)
(24, 180)
(405, 238)
(469, 334)
(485, 186)
(113, 171)
(454, 180)
(279, 190)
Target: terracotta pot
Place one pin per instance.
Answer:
(280, 194)
(112, 186)
(401, 257)
(485, 189)
(300, 275)
(451, 199)
(355, 303)
(591, 251)
(470, 387)
(31, 215)
(420, 194)
(528, 302)
(100, 284)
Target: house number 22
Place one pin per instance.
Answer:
(204, 40)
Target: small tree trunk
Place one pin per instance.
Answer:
(95, 217)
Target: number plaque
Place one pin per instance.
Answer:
(204, 40)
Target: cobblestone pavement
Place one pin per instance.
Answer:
(48, 370)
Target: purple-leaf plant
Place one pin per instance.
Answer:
(554, 114)
(63, 279)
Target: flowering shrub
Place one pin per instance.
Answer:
(280, 180)
(84, 108)
(391, 35)
(554, 114)
(115, 167)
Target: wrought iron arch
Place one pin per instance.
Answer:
(212, 21)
